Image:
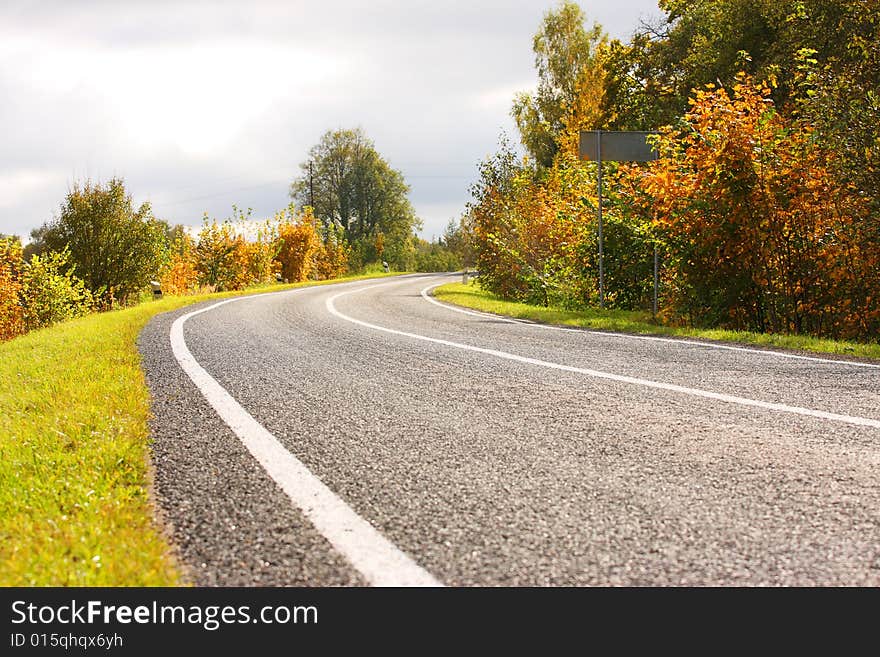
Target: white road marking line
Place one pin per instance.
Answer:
(628, 336)
(696, 392)
(371, 554)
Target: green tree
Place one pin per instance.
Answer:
(699, 42)
(114, 248)
(820, 57)
(565, 57)
(457, 237)
(840, 95)
(695, 43)
(350, 185)
(434, 256)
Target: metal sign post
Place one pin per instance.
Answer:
(614, 146)
(656, 279)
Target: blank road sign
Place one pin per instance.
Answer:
(630, 146)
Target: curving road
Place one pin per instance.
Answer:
(363, 433)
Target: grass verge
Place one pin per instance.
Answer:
(74, 503)
(472, 296)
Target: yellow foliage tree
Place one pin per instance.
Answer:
(179, 275)
(296, 245)
(331, 259)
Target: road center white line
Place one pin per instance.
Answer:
(708, 394)
(371, 554)
(627, 336)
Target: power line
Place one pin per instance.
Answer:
(286, 180)
(219, 194)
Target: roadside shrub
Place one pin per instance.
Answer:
(11, 314)
(179, 275)
(50, 293)
(218, 257)
(225, 259)
(331, 260)
(304, 250)
(259, 255)
(297, 244)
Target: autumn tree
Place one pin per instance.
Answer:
(297, 244)
(178, 274)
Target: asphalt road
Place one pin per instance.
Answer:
(383, 436)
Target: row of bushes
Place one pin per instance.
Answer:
(290, 247)
(45, 286)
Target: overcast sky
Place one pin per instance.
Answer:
(199, 105)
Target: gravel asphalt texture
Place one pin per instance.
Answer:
(494, 472)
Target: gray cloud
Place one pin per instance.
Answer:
(201, 105)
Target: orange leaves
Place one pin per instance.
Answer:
(297, 244)
(226, 256)
(11, 312)
(179, 276)
(301, 252)
(331, 259)
(758, 225)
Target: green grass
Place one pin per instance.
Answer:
(74, 462)
(472, 296)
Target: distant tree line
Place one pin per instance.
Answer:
(764, 204)
(100, 251)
